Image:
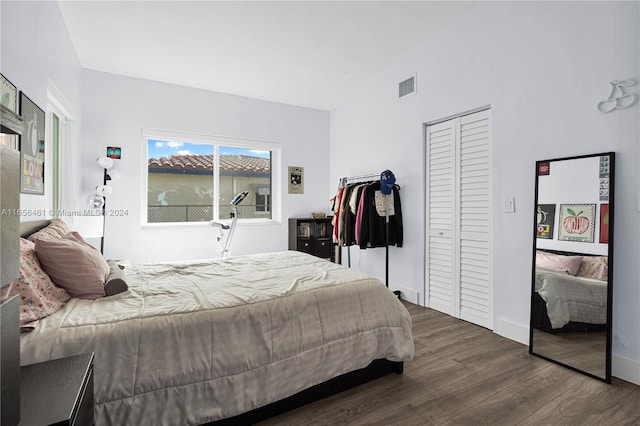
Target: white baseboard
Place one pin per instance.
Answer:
(625, 369)
(621, 367)
(513, 331)
(408, 294)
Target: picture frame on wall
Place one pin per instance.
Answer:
(8, 94)
(296, 180)
(8, 101)
(545, 221)
(31, 147)
(577, 222)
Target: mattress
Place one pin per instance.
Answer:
(570, 298)
(197, 341)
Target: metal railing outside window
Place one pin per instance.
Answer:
(194, 213)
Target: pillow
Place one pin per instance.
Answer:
(54, 230)
(571, 264)
(74, 265)
(115, 280)
(595, 267)
(39, 297)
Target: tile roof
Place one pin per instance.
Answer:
(204, 162)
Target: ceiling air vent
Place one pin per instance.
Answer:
(407, 87)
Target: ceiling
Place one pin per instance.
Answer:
(307, 53)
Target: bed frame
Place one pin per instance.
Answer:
(28, 228)
(376, 369)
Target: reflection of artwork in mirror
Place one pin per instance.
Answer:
(577, 222)
(604, 178)
(571, 289)
(545, 219)
(604, 223)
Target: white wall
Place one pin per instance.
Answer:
(116, 108)
(542, 66)
(37, 55)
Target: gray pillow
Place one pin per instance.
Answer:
(115, 282)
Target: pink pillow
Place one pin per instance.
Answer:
(570, 264)
(54, 230)
(74, 265)
(595, 267)
(39, 297)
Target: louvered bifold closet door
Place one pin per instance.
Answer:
(458, 200)
(441, 208)
(475, 200)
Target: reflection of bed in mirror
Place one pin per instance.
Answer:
(571, 292)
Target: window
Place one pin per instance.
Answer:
(55, 146)
(263, 202)
(56, 178)
(193, 178)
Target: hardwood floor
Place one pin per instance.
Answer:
(463, 374)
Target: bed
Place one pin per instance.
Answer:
(228, 340)
(570, 292)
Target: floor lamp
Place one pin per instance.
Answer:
(99, 197)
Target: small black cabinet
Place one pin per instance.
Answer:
(312, 236)
(57, 392)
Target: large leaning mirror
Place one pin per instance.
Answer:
(571, 295)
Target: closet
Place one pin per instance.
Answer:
(458, 217)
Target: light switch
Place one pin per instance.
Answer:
(509, 205)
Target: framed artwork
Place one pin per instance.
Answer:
(577, 222)
(31, 147)
(9, 100)
(605, 167)
(545, 220)
(544, 168)
(296, 180)
(114, 152)
(8, 94)
(604, 223)
(9, 140)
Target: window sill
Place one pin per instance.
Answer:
(201, 225)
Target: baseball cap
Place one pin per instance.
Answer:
(387, 179)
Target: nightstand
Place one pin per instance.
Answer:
(57, 392)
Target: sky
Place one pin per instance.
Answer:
(159, 148)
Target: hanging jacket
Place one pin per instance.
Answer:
(373, 226)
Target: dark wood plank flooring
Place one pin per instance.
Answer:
(463, 374)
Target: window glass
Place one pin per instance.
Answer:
(55, 192)
(194, 181)
(243, 169)
(180, 181)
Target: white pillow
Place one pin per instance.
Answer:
(570, 264)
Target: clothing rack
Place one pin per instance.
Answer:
(344, 181)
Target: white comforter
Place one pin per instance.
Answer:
(571, 298)
(197, 341)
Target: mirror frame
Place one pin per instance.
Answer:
(609, 316)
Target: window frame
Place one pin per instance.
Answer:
(217, 142)
(56, 131)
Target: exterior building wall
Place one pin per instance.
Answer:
(175, 197)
